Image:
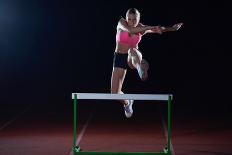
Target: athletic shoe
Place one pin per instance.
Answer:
(142, 70)
(128, 108)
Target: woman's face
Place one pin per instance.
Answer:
(132, 20)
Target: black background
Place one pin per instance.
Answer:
(49, 49)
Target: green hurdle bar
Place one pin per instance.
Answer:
(101, 96)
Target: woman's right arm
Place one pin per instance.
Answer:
(122, 24)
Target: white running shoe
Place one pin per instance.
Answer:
(128, 108)
(142, 70)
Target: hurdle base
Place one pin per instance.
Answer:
(76, 149)
(119, 153)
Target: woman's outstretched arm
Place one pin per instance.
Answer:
(173, 28)
(161, 29)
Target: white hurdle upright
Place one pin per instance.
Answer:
(105, 96)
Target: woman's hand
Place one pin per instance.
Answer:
(177, 26)
(173, 28)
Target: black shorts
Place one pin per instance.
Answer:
(120, 60)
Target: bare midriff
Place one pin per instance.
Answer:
(123, 48)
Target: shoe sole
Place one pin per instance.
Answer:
(144, 67)
(131, 104)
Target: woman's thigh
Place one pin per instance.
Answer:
(134, 57)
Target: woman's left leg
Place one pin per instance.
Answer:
(136, 61)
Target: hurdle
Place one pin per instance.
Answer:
(104, 96)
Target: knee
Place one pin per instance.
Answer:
(132, 52)
(135, 54)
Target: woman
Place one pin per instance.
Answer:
(127, 55)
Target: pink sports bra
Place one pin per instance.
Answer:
(123, 37)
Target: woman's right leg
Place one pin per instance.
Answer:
(117, 79)
(118, 76)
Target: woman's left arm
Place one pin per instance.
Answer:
(161, 29)
(156, 29)
(173, 28)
